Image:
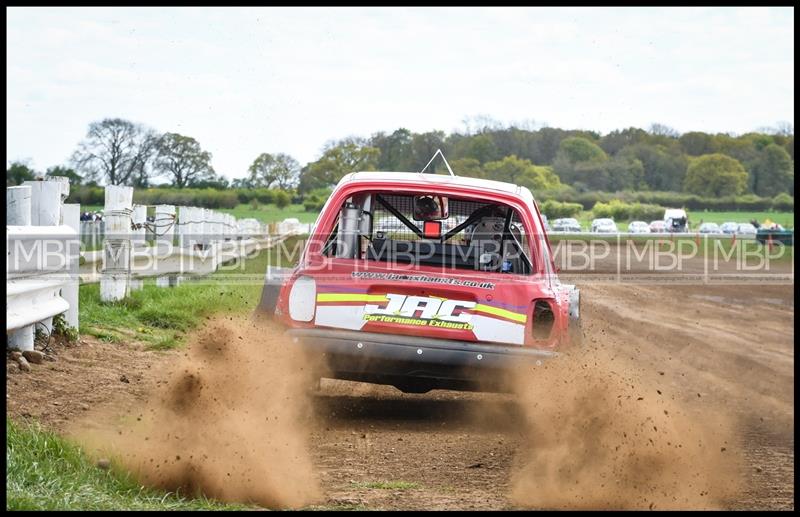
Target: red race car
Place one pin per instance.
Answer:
(426, 281)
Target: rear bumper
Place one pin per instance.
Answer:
(414, 363)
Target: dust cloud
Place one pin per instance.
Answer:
(229, 422)
(601, 434)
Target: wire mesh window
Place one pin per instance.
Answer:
(490, 241)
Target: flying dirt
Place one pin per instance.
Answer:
(234, 420)
(601, 435)
(682, 397)
(227, 423)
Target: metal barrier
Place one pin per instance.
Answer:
(44, 262)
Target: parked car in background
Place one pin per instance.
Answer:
(638, 227)
(729, 227)
(676, 220)
(566, 224)
(746, 229)
(775, 234)
(658, 227)
(604, 225)
(546, 224)
(709, 228)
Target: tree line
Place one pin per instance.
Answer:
(548, 160)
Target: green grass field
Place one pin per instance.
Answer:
(786, 219)
(271, 213)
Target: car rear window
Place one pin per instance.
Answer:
(476, 235)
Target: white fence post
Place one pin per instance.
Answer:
(164, 224)
(117, 246)
(46, 200)
(18, 206)
(186, 227)
(71, 217)
(139, 218)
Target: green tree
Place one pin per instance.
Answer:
(59, 170)
(714, 175)
(664, 168)
(181, 159)
(546, 143)
(116, 150)
(396, 150)
(624, 173)
(282, 199)
(581, 161)
(216, 182)
(467, 167)
(616, 140)
(773, 172)
(696, 143)
(423, 147)
(337, 160)
(578, 149)
(19, 172)
(280, 170)
(479, 147)
(521, 172)
(242, 183)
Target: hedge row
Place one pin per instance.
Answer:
(205, 198)
(622, 211)
(561, 203)
(780, 203)
(556, 209)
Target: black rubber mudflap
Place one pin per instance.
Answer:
(269, 299)
(270, 292)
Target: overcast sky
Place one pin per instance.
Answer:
(243, 81)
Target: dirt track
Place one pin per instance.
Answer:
(712, 347)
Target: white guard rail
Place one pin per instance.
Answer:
(41, 260)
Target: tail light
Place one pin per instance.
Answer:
(303, 299)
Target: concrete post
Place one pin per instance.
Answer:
(186, 227)
(18, 206)
(139, 218)
(47, 198)
(186, 237)
(71, 217)
(203, 226)
(115, 276)
(165, 217)
(18, 213)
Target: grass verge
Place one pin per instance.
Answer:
(47, 472)
(161, 316)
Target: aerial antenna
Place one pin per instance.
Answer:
(439, 152)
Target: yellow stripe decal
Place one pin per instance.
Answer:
(503, 313)
(350, 297)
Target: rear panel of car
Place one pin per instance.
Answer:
(434, 297)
